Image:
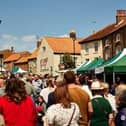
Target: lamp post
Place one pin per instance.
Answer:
(1, 62)
(73, 37)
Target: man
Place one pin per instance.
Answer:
(79, 96)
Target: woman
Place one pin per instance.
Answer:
(64, 112)
(120, 94)
(102, 110)
(17, 108)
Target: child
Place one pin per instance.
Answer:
(41, 109)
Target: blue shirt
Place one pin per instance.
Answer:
(120, 119)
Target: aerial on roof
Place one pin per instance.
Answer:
(104, 32)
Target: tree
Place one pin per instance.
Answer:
(68, 61)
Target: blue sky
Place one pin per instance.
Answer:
(23, 21)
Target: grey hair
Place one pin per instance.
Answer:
(119, 89)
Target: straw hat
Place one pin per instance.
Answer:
(96, 86)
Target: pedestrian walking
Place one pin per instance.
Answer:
(102, 110)
(17, 108)
(64, 112)
(120, 94)
(79, 96)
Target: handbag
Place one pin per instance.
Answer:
(71, 116)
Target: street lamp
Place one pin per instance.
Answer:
(73, 37)
(1, 62)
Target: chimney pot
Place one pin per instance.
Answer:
(120, 15)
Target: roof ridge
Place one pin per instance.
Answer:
(58, 37)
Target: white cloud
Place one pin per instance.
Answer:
(29, 38)
(7, 37)
(19, 43)
(64, 35)
(7, 45)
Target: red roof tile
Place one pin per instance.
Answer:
(13, 57)
(104, 32)
(34, 54)
(62, 45)
(22, 60)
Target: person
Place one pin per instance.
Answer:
(41, 109)
(78, 96)
(17, 108)
(120, 93)
(64, 112)
(30, 90)
(45, 91)
(109, 97)
(102, 110)
(84, 84)
(51, 98)
(2, 87)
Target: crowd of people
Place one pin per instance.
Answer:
(68, 100)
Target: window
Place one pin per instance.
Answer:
(118, 49)
(44, 48)
(96, 46)
(107, 43)
(118, 37)
(86, 48)
(107, 53)
(61, 58)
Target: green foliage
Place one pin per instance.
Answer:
(68, 61)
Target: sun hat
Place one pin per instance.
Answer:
(96, 86)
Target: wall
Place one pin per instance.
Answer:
(91, 54)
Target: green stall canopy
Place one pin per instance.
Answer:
(109, 62)
(117, 67)
(92, 65)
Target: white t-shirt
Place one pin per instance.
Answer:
(45, 92)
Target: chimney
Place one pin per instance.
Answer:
(120, 15)
(38, 43)
(72, 35)
(12, 49)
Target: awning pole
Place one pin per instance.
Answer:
(104, 76)
(113, 77)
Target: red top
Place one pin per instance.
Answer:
(23, 114)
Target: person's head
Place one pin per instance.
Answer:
(106, 87)
(59, 81)
(69, 77)
(97, 88)
(15, 90)
(62, 96)
(40, 99)
(120, 95)
(49, 83)
(82, 79)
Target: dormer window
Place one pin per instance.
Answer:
(107, 43)
(44, 48)
(118, 38)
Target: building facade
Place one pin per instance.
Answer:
(52, 50)
(106, 42)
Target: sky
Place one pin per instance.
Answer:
(26, 21)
